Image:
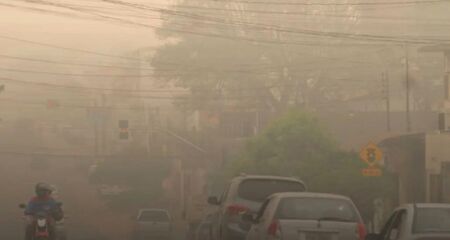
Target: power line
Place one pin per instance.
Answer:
(80, 87)
(70, 64)
(336, 4)
(67, 48)
(360, 37)
(302, 13)
(69, 105)
(73, 74)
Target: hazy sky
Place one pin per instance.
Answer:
(70, 32)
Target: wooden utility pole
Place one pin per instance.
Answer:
(385, 79)
(408, 90)
(103, 123)
(95, 118)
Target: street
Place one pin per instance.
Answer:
(225, 119)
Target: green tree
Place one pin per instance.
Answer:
(297, 145)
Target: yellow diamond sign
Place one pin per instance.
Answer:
(371, 154)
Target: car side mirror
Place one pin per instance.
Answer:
(213, 201)
(22, 206)
(248, 217)
(372, 236)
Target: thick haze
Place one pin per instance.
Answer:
(129, 105)
(70, 32)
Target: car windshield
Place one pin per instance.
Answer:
(432, 220)
(316, 209)
(153, 216)
(259, 189)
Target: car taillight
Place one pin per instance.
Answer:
(236, 209)
(274, 229)
(362, 231)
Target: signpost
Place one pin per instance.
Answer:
(372, 155)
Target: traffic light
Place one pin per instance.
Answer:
(123, 130)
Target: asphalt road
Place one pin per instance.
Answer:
(88, 216)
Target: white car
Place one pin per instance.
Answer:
(421, 221)
(306, 216)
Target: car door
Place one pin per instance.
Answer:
(255, 230)
(396, 230)
(384, 231)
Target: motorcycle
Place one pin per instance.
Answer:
(42, 224)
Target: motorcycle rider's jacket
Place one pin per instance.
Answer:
(41, 204)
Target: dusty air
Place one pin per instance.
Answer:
(225, 119)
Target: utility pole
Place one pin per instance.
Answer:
(103, 123)
(408, 110)
(96, 120)
(385, 79)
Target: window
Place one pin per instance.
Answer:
(316, 209)
(428, 220)
(257, 190)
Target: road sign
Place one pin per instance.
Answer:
(371, 154)
(372, 172)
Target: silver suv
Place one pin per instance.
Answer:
(245, 194)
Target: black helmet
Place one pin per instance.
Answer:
(43, 189)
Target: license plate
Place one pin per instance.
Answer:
(319, 236)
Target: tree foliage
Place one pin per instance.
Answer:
(297, 145)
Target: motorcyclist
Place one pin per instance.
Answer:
(42, 202)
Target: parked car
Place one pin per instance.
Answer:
(304, 216)
(246, 193)
(424, 221)
(152, 224)
(203, 231)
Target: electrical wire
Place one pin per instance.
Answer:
(335, 4)
(358, 37)
(68, 48)
(70, 64)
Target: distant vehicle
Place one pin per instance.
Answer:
(152, 224)
(304, 216)
(424, 221)
(246, 193)
(203, 231)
